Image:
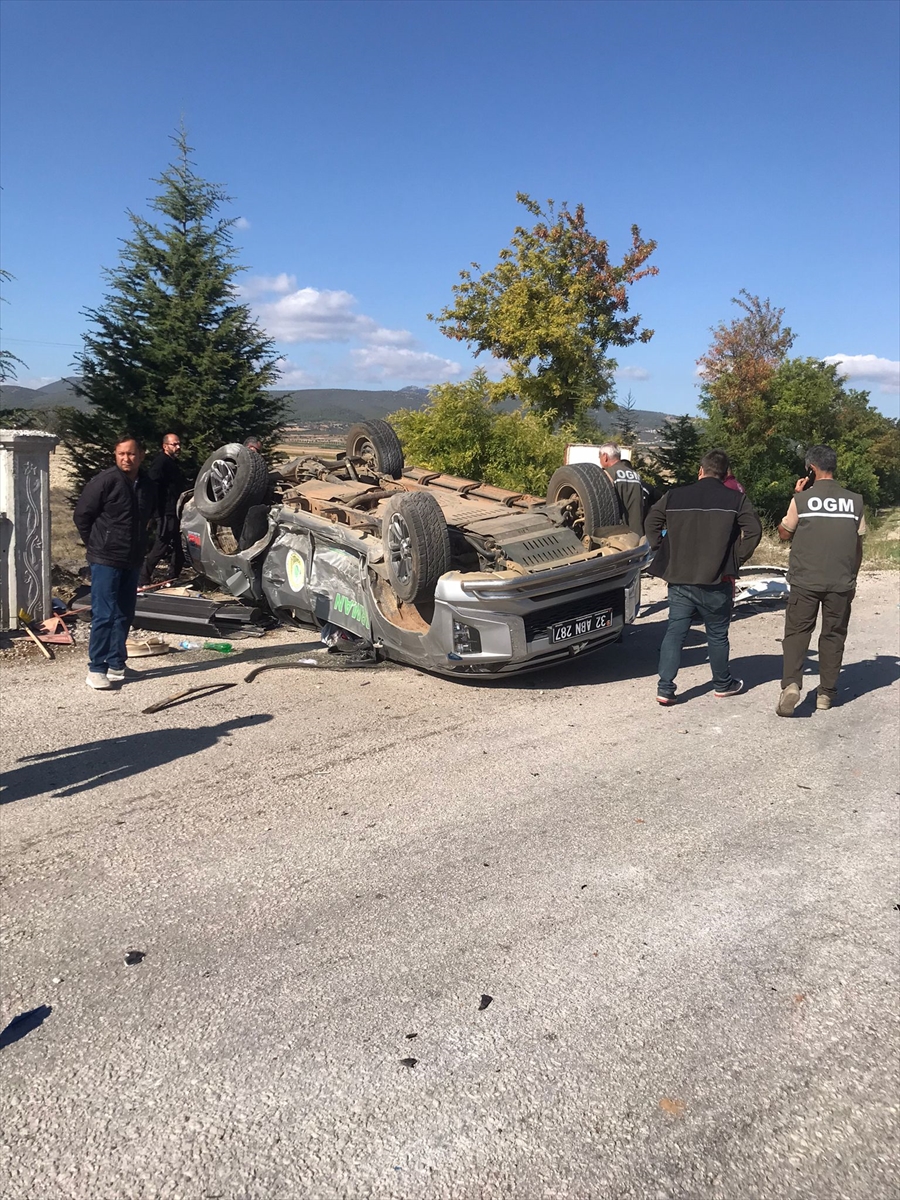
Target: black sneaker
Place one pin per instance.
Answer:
(665, 700)
(734, 689)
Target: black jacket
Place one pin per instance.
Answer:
(165, 471)
(710, 532)
(632, 493)
(112, 515)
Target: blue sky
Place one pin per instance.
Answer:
(375, 149)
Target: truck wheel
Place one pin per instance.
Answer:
(377, 442)
(592, 489)
(231, 480)
(417, 544)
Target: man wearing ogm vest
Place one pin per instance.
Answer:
(825, 525)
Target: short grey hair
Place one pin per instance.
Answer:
(823, 458)
(611, 450)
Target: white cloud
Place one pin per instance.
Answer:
(262, 285)
(34, 382)
(390, 337)
(869, 368)
(376, 364)
(310, 315)
(632, 373)
(293, 376)
(242, 223)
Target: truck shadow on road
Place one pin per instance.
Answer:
(74, 769)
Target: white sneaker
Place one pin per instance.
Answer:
(120, 676)
(97, 681)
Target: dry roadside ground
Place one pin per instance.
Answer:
(685, 919)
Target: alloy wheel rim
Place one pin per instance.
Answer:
(221, 478)
(400, 548)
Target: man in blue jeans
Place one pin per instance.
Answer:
(702, 533)
(112, 515)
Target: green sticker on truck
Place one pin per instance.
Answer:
(344, 606)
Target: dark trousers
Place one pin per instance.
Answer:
(168, 546)
(799, 623)
(113, 597)
(713, 604)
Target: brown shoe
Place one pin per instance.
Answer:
(823, 702)
(788, 700)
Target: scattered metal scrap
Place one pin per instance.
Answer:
(194, 615)
(768, 583)
(281, 666)
(209, 688)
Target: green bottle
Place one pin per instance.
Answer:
(222, 647)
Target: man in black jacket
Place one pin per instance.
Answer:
(702, 533)
(112, 515)
(630, 490)
(166, 473)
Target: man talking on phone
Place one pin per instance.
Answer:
(825, 525)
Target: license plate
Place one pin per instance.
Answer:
(580, 626)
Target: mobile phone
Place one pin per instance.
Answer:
(810, 478)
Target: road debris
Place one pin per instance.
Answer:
(284, 666)
(485, 1001)
(408, 1062)
(674, 1108)
(37, 641)
(209, 688)
(146, 647)
(133, 957)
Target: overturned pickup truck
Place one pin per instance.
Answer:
(444, 574)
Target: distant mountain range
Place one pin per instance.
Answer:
(302, 406)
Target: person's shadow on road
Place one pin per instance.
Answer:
(76, 769)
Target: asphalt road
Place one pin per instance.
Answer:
(687, 920)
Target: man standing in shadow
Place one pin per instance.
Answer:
(166, 475)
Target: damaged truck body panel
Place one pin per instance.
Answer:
(441, 573)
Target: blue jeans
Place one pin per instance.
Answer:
(113, 597)
(713, 603)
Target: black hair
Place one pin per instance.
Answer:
(715, 463)
(823, 458)
(128, 437)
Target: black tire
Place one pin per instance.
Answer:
(416, 544)
(598, 504)
(376, 441)
(231, 480)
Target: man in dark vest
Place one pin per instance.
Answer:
(112, 515)
(710, 531)
(166, 473)
(633, 496)
(825, 525)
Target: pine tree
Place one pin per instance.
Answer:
(625, 423)
(171, 347)
(677, 458)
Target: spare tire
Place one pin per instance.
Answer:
(377, 442)
(594, 491)
(229, 482)
(416, 544)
